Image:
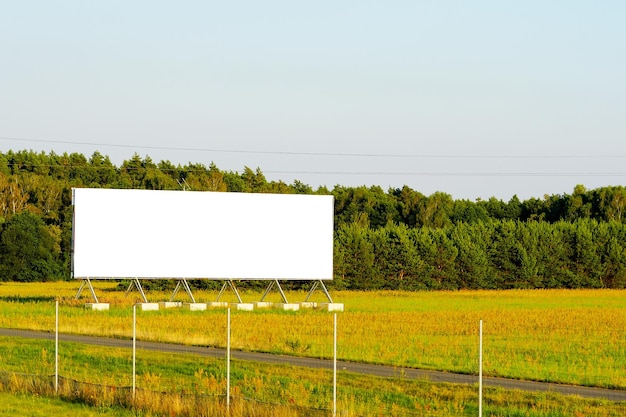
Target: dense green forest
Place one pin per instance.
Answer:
(393, 239)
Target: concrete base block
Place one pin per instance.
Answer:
(331, 306)
(97, 306)
(243, 306)
(148, 306)
(308, 304)
(170, 304)
(217, 304)
(264, 304)
(195, 306)
(287, 306)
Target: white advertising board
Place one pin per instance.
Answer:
(190, 234)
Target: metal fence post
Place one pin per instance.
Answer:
(480, 369)
(228, 363)
(134, 348)
(335, 366)
(56, 349)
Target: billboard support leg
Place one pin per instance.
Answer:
(135, 283)
(231, 284)
(175, 291)
(86, 282)
(282, 293)
(183, 283)
(280, 290)
(267, 290)
(130, 287)
(330, 300)
(311, 291)
(188, 290)
(143, 295)
(318, 283)
(80, 290)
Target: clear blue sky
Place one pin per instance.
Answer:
(472, 98)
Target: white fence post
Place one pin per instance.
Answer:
(335, 366)
(56, 349)
(134, 347)
(480, 369)
(228, 363)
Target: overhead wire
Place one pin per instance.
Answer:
(341, 154)
(366, 155)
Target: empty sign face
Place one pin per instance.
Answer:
(213, 235)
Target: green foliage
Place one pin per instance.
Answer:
(474, 267)
(399, 239)
(29, 249)
(354, 257)
(483, 255)
(364, 206)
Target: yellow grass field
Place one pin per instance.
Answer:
(564, 336)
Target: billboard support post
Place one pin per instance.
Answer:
(135, 283)
(86, 282)
(278, 287)
(318, 283)
(231, 284)
(183, 283)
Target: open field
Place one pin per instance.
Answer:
(574, 337)
(276, 390)
(561, 336)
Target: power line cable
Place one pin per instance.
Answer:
(348, 173)
(332, 154)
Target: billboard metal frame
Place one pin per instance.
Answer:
(286, 237)
(182, 283)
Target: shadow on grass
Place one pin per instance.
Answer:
(27, 299)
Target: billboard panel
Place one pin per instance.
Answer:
(190, 234)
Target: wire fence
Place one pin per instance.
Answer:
(180, 364)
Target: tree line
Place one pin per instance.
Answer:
(393, 239)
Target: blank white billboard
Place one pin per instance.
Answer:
(189, 234)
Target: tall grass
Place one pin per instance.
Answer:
(188, 385)
(25, 404)
(573, 337)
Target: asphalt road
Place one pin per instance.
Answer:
(342, 366)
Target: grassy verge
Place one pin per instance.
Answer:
(188, 385)
(560, 336)
(32, 405)
(573, 337)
